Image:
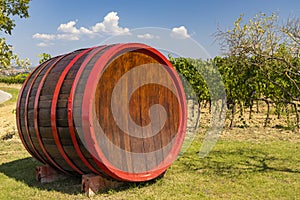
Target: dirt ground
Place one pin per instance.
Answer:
(245, 129)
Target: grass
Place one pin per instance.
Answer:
(251, 163)
(13, 90)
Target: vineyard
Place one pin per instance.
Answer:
(246, 89)
(261, 64)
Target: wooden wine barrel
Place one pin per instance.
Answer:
(115, 110)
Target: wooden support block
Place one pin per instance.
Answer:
(46, 174)
(92, 184)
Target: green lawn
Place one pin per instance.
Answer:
(233, 170)
(237, 168)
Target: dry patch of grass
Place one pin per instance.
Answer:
(8, 128)
(245, 129)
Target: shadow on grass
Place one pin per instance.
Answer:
(23, 170)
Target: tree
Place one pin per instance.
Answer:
(44, 57)
(263, 54)
(292, 30)
(263, 39)
(8, 10)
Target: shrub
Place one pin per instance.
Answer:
(14, 79)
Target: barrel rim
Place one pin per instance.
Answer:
(87, 110)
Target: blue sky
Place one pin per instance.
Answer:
(61, 26)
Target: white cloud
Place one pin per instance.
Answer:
(68, 28)
(51, 37)
(86, 31)
(180, 33)
(44, 36)
(110, 25)
(147, 36)
(42, 44)
(68, 37)
(69, 32)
